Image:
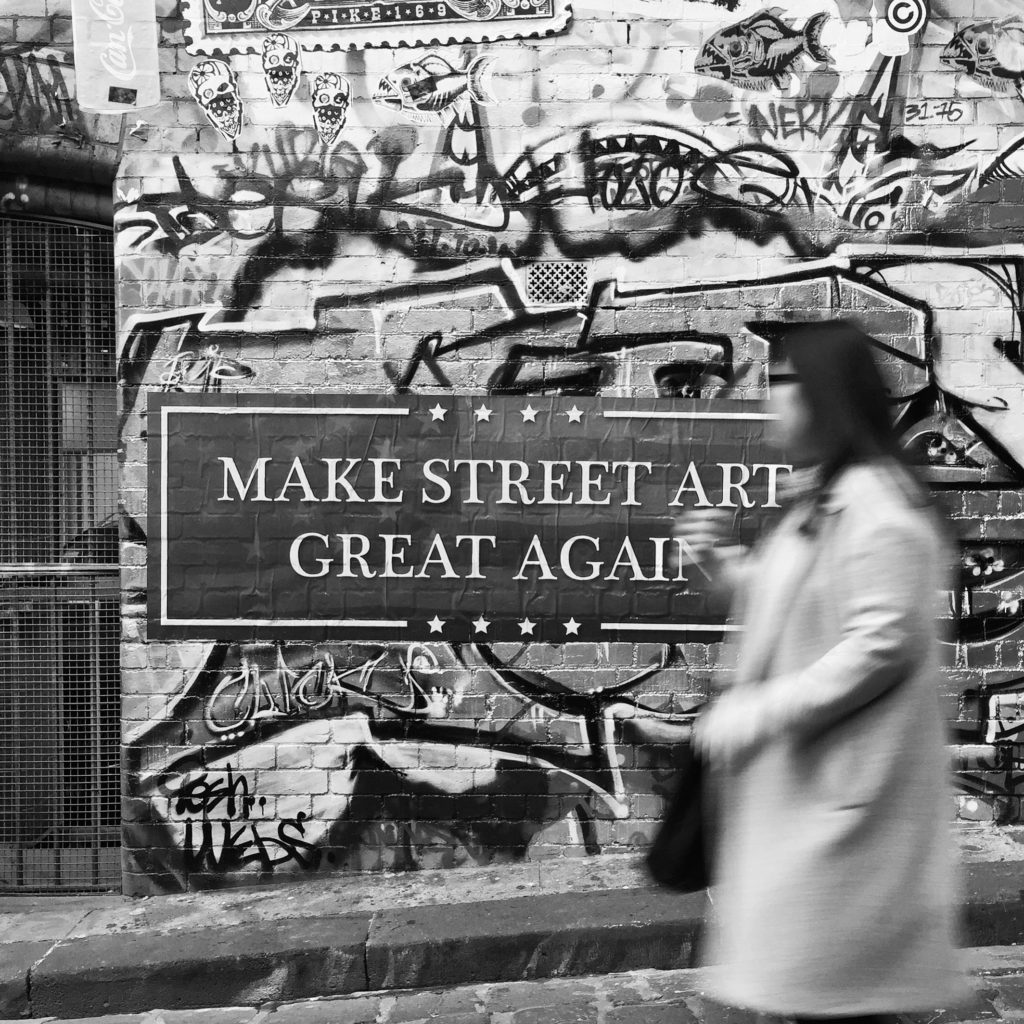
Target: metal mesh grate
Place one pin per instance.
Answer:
(59, 616)
(552, 283)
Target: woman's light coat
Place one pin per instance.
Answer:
(834, 890)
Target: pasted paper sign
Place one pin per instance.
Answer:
(218, 28)
(116, 63)
(456, 518)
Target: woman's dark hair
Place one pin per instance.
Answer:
(834, 363)
(848, 401)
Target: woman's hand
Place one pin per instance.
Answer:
(727, 731)
(701, 530)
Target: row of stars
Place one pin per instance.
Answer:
(526, 627)
(483, 414)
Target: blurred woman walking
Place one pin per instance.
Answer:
(834, 869)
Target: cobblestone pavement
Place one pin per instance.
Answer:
(636, 997)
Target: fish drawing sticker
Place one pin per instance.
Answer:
(990, 53)
(427, 90)
(215, 89)
(330, 95)
(282, 63)
(760, 52)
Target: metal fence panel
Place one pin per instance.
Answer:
(59, 613)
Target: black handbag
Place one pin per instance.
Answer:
(680, 856)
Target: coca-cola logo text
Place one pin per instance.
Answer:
(118, 57)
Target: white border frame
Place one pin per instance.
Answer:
(345, 410)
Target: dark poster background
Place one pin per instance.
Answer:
(226, 565)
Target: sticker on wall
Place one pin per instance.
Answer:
(476, 10)
(116, 63)
(231, 12)
(424, 90)
(215, 89)
(222, 27)
(990, 53)
(898, 23)
(330, 95)
(271, 14)
(247, 469)
(281, 14)
(282, 63)
(760, 52)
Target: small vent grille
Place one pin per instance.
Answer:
(556, 284)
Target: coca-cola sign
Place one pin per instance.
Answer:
(116, 54)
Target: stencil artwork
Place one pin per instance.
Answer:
(330, 94)
(221, 27)
(215, 89)
(282, 64)
(906, 16)
(425, 90)
(760, 52)
(991, 53)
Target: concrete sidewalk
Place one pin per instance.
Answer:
(633, 997)
(89, 956)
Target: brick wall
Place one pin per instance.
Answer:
(648, 169)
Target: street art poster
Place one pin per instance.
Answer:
(116, 59)
(221, 27)
(463, 519)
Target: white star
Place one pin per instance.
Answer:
(572, 628)
(437, 413)
(483, 414)
(529, 414)
(435, 624)
(575, 415)
(481, 625)
(526, 626)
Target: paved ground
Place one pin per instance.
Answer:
(352, 936)
(634, 997)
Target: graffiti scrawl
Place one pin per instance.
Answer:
(463, 236)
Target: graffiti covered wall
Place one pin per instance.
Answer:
(610, 210)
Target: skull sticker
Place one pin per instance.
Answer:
(281, 67)
(215, 89)
(330, 105)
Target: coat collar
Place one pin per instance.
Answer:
(847, 487)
